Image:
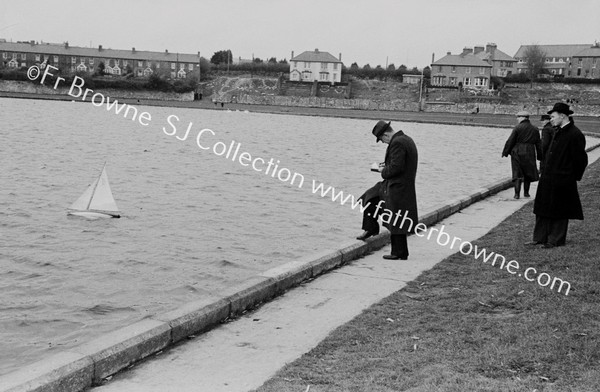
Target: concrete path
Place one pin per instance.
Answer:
(242, 355)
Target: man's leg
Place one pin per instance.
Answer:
(557, 235)
(518, 188)
(526, 185)
(540, 231)
(399, 246)
(370, 224)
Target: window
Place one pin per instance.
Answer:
(295, 64)
(440, 68)
(579, 61)
(323, 65)
(173, 67)
(453, 68)
(124, 63)
(335, 76)
(73, 60)
(594, 62)
(438, 80)
(157, 65)
(481, 70)
(55, 59)
(323, 76)
(578, 71)
(467, 82)
(172, 74)
(335, 66)
(116, 61)
(181, 66)
(37, 57)
(480, 82)
(140, 63)
(452, 81)
(4, 55)
(92, 61)
(191, 67)
(468, 70)
(593, 73)
(306, 65)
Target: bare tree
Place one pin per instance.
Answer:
(534, 57)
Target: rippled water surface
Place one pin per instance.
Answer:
(193, 221)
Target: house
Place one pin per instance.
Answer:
(587, 62)
(411, 79)
(465, 69)
(316, 66)
(559, 59)
(71, 59)
(503, 65)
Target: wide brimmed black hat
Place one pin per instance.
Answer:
(561, 108)
(380, 128)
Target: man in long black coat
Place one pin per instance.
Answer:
(394, 198)
(557, 198)
(522, 145)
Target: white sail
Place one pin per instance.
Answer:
(96, 200)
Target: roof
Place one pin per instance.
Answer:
(554, 50)
(498, 56)
(593, 51)
(467, 60)
(54, 49)
(316, 56)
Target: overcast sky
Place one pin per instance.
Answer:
(365, 31)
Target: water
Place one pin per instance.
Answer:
(193, 221)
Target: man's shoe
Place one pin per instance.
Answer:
(365, 235)
(395, 257)
(527, 195)
(531, 243)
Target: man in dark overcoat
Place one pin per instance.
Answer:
(394, 198)
(547, 133)
(522, 145)
(557, 198)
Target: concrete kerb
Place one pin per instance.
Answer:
(90, 363)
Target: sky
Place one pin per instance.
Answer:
(374, 32)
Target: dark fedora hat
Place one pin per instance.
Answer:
(561, 108)
(380, 128)
(545, 117)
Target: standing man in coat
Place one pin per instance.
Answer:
(522, 145)
(547, 133)
(557, 198)
(394, 198)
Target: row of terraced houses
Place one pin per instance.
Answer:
(474, 67)
(71, 59)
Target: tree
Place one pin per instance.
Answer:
(354, 66)
(100, 69)
(222, 57)
(391, 67)
(534, 58)
(366, 66)
(272, 60)
(284, 61)
(257, 60)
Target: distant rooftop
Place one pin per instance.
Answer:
(316, 56)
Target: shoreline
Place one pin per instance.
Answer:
(587, 124)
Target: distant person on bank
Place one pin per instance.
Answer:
(557, 197)
(547, 133)
(522, 145)
(394, 198)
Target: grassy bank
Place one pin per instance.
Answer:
(468, 326)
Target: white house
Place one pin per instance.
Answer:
(316, 65)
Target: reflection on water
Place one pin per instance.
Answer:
(193, 221)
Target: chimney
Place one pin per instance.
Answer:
(32, 42)
(490, 48)
(67, 45)
(166, 52)
(466, 51)
(340, 56)
(478, 49)
(99, 48)
(448, 53)
(316, 50)
(432, 58)
(292, 55)
(132, 50)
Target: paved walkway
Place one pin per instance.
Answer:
(242, 355)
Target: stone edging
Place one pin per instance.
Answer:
(86, 365)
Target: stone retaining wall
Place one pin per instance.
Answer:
(14, 86)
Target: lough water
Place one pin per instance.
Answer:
(192, 221)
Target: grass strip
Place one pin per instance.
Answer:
(469, 326)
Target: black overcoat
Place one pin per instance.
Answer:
(522, 145)
(399, 174)
(557, 196)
